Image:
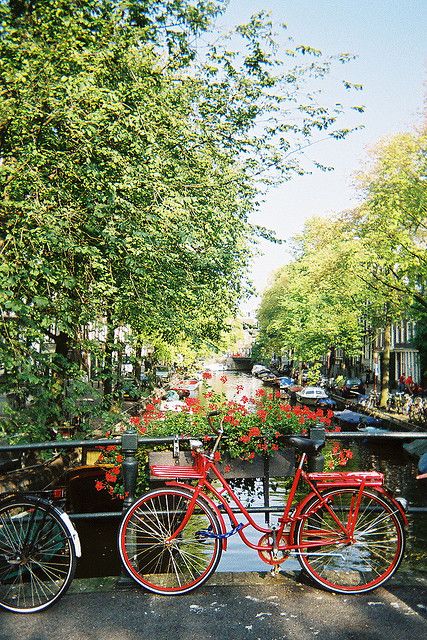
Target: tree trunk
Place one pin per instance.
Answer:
(300, 372)
(60, 374)
(331, 362)
(385, 369)
(108, 363)
(137, 369)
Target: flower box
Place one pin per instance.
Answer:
(280, 464)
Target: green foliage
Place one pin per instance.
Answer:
(391, 223)
(361, 270)
(129, 170)
(314, 301)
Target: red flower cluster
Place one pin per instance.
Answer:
(253, 425)
(338, 456)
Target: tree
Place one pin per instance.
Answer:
(369, 263)
(392, 219)
(391, 226)
(129, 171)
(315, 302)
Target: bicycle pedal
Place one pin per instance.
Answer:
(275, 570)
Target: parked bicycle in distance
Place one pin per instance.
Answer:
(38, 551)
(348, 532)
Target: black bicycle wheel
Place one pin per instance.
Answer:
(37, 555)
(350, 566)
(161, 565)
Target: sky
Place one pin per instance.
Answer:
(389, 39)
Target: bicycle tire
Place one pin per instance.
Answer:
(37, 554)
(362, 565)
(176, 567)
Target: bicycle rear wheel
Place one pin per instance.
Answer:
(164, 566)
(37, 555)
(356, 566)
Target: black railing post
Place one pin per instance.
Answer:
(130, 474)
(316, 463)
(129, 466)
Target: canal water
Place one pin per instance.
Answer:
(99, 546)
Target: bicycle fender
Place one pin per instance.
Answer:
(74, 535)
(211, 503)
(396, 503)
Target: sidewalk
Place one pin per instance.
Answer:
(231, 606)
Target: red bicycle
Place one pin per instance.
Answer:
(347, 532)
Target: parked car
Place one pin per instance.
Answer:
(162, 375)
(352, 387)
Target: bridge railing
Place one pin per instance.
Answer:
(129, 442)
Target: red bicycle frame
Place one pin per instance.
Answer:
(282, 538)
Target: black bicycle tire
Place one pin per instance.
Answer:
(60, 539)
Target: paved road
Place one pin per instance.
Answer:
(247, 606)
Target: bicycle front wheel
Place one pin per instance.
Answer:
(355, 565)
(156, 562)
(37, 555)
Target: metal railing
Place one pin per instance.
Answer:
(129, 442)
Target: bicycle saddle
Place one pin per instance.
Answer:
(307, 445)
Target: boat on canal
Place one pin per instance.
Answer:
(311, 395)
(348, 418)
(186, 388)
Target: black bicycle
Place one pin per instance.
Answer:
(38, 552)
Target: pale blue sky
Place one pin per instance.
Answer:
(389, 38)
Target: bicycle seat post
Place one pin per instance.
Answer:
(217, 441)
(218, 432)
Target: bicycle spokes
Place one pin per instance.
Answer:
(37, 558)
(360, 561)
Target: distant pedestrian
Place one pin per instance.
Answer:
(401, 383)
(409, 384)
